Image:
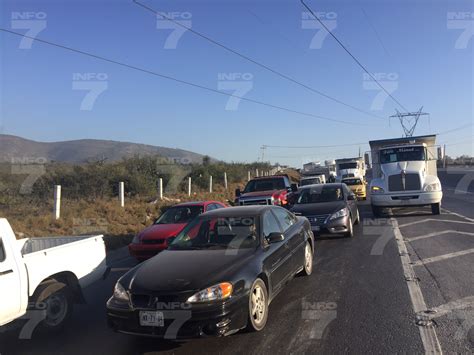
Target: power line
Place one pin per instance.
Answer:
(266, 67)
(375, 31)
(352, 56)
(315, 146)
(282, 108)
(455, 129)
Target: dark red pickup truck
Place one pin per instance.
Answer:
(265, 190)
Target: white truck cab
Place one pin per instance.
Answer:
(404, 174)
(350, 168)
(51, 271)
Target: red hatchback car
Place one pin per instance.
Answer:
(156, 238)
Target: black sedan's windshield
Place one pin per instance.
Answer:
(311, 181)
(218, 232)
(319, 195)
(265, 185)
(180, 214)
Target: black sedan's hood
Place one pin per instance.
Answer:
(185, 270)
(315, 209)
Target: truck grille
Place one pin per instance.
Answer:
(412, 182)
(260, 201)
(317, 220)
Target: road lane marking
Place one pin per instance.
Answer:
(443, 257)
(435, 234)
(427, 333)
(434, 220)
(444, 309)
(458, 215)
(458, 191)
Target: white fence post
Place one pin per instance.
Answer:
(225, 180)
(57, 201)
(248, 175)
(122, 194)
(256, 172)
(210, 184)
(189, 186)
(160, 188)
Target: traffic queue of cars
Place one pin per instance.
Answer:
(219, 267)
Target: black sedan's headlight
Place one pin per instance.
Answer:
(214, 293)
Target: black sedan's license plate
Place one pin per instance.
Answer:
(152, 319)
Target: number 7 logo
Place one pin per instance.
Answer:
(33, 27)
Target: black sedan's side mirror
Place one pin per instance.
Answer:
(237, 192)
(294, 187)
(351, 197)
(275, 238)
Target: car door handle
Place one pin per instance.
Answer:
(6, 272)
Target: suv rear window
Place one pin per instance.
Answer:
(266, 184)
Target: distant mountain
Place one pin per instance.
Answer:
(85, 150)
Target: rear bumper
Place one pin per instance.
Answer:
(146, 251)
(416, 198)
(187, 322)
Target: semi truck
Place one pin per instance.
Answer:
(46, 275)
(350, 168)
(404, 173)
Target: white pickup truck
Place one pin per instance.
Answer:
(51, 271)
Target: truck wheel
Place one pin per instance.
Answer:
(376, 211)
(436, 208)
(57, 300)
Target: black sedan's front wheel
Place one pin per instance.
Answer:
(308, 260)
(258, 306)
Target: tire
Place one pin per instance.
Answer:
(376, 211)
(58, 299)
(258, 306)
(357, 221)
(308, 260)
(436, 208)
(350, 232)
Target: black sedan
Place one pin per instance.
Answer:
(218, 276)
(330, 208)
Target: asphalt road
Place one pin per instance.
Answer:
(356, 301)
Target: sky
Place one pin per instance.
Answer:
(421, 51)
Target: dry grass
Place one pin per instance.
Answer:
(100, 216)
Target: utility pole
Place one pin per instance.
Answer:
(262, 148)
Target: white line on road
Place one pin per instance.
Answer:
(433, 220)
(435, 234)
(458, 215)
(458, 191)
(443, 257)
(428, 332)
(444, 309)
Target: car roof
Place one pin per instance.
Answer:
(255, 210)
(270, 177)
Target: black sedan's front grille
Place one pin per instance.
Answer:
(317, 220)
(398, 182)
